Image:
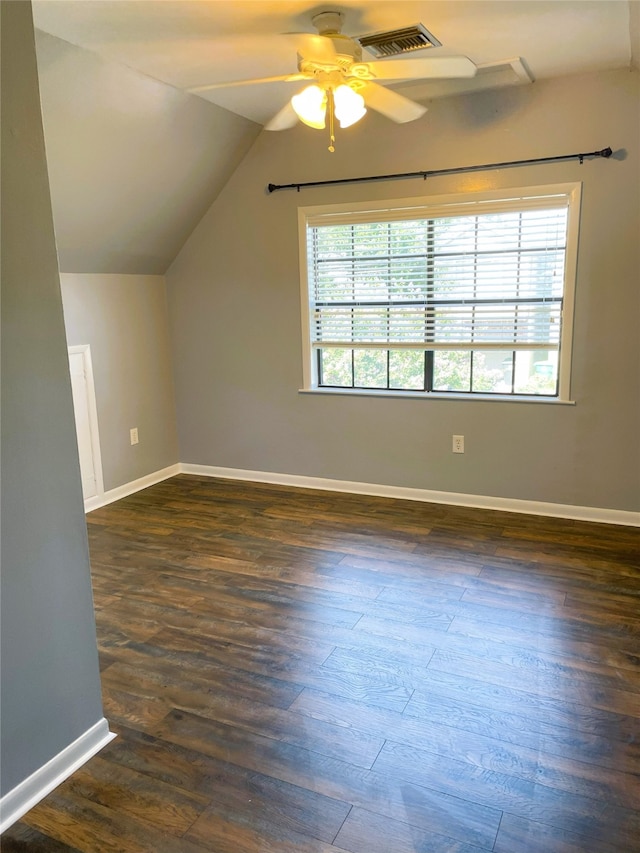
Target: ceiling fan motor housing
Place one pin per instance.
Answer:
(347, 50)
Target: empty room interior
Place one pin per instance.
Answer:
(321, 418)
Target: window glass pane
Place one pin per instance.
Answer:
(407, 324)
(536, 372)
(369, 280)
(333, 241)
(542, 274)
(498, 276)
(499, 323)
(498, 232)
(455, 235)
(370, 324)
(336, 367)
(333, 324)
(408, 238)
(407, 278)
(333, 281)
(370, 368)
(406, 369)
(492, 371)
(451, 370)
(371, 238)
(454, 277)
(542, 228)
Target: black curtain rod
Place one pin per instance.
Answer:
(606, 152)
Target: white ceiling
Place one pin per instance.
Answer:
(188, 43)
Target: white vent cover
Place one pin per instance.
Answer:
(397, 42)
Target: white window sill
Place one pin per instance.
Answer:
(434, 395)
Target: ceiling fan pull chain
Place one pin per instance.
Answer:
(331, 108)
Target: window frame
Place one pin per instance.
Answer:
(429, 207)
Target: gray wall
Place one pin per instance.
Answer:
(124, 320)
(50, 680)
(134, 163)
(235, 308)
(634, 32)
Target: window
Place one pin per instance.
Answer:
(459, 295)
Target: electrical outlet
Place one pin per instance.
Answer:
(458, 443)
(133, 433)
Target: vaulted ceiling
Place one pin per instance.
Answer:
(135, 159)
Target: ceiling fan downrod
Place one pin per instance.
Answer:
(328, 23)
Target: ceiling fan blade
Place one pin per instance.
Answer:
(421, 69)
(286, 78)
(391, 104)
(284, 119)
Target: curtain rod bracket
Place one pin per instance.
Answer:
(604, 152)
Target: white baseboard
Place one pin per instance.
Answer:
(35, 787)
(580, 513)
(130, 488)
(600, 515)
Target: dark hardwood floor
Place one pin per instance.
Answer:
(305, 672)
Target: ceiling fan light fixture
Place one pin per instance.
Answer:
(310, 106)
(349, 105)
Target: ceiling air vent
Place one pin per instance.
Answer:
(396, 42)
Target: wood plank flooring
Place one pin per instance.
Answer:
(293, 671)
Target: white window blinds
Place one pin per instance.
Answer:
(471, 277)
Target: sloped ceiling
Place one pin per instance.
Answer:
(133, 163)
(135, 160)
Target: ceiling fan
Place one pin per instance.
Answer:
(341, 84)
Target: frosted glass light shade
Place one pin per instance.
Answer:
(310, 106)
(349, 106)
